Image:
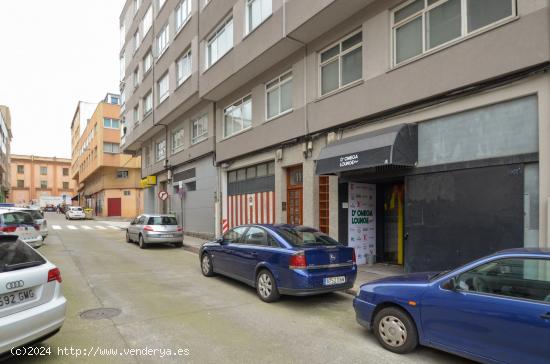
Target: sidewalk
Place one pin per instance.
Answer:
(365, 273)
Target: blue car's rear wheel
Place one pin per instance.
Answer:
(266, 286)
(395, 330)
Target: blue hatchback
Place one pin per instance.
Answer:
(281, 259)
(493, 310)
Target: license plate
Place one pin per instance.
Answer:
(167, 236)
(330, 281)
(16, 298)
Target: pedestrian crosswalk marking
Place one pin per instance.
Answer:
(71, 227)
(56, 227)
(113, 227)
(86, 227)
(100, 227)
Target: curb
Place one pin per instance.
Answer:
(194, 249)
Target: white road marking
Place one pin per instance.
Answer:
(100, 227)
(113, 227)
(86, 227)
(56, 227)
(72, 227)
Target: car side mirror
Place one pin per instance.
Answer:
(450, 285)
(219, 241)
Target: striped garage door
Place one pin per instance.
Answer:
(251, 208)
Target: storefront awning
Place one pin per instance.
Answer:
(393, 146)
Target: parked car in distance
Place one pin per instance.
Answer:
(49, 208)
(150, 229)
(32, 307)
(38, 218)
(493, 310)
(281, 259)
(21, 224)
(75, 212)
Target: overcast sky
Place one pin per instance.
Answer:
(53, 54)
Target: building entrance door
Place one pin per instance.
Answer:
(294, 195)
(114, 207)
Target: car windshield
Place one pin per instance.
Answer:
(437, 275)
(302, 236)
(77, 209)
(16, 218)
(162, 220)
(14, 255)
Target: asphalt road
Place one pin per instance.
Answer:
(166, 304)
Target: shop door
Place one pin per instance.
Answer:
(114, 207)
(294, 195)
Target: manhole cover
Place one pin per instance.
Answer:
(100, 313)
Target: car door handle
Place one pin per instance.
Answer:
(546, 316)
(254, 254)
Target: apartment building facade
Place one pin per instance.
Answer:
(416, 131)
(33, 177)
(108, 181)
(5, 142)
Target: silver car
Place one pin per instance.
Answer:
(38, 217)
(75, 212)
(21, 224)
(154, 229)
(32, 307)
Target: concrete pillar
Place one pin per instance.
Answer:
(333, 206)
(280, 192)
(544, 162)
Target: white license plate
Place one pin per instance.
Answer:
(330, 281)
(16, 297)
(167, 236)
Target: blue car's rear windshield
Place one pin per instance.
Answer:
(302, 236)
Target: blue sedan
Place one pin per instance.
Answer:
(493, 310)
(281, 259)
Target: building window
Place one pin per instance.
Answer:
(421, 25)
(147, 61)
(256, 12)
(65, 171)
(161, 4)
(122, 66)
(220, 42)
(147, 156)
(136, 40)
(126, 193)
(122, 174)
(111, 148)
(43, 184)
(147, 21)
(147, 103)
(113, 100)
(238, 117)
(43, 171)
(111, 123)
(183, 11)
(137, 4)
(20, 183)
(160, 150)
(191, 186)
(135, 78)
(163, 87)
(20, 169)
(136, 115)
(342, 63)
(183, 67)
(65, 185)
(199, 129)
(177, 140)
(279, 96)
(162, 40)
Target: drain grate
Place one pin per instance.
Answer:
(100, 313)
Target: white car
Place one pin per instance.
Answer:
(21, 224)
(75, 212)
(37, 216)
(32, 307)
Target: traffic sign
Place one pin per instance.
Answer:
(163, 195)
